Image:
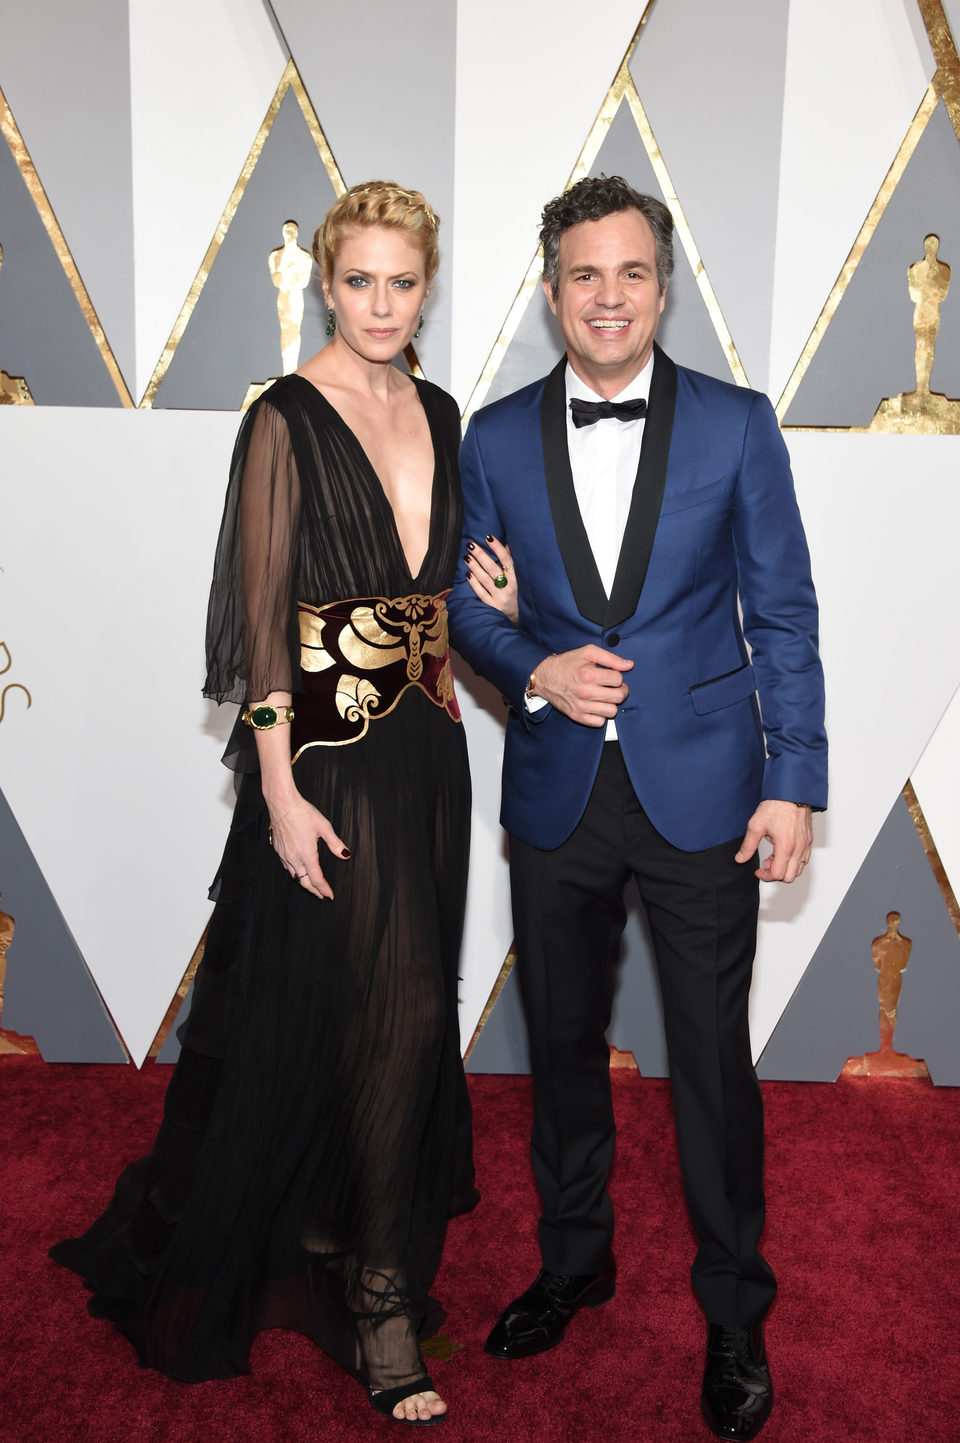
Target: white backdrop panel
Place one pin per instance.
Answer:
(202, 75)
(889, 590)
(109, 526)
(528, 92)
(936, 780)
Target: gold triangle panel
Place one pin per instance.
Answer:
(892, 328)
(252, 311)
(53, 350)
(621, 141)
(178, 998)
(228, 333)
(945, 88)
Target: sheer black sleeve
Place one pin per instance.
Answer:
(252, 639)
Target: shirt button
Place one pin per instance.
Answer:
(613, 639)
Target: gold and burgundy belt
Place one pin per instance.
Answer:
(358, 657)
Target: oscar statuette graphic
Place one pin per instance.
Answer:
(891, 953)
(290, 270)
(923, 411)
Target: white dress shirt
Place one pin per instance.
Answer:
(603, 459)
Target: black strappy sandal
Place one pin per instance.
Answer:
(386, 1399)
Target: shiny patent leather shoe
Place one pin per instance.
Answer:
(538, 1319)
(737, 1393)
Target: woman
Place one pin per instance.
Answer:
(316, 1134)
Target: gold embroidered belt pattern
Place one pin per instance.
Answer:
(358, 657)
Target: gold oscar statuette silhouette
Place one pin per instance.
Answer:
(14, 390)
(291, 268)
(891, 953)
(923, 411)
(11, 1043)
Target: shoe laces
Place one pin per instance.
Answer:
(735, 1341)
(740, 1361)
(552, 1284)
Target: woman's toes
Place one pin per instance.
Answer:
(419, 1405)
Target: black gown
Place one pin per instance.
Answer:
(316, 1130)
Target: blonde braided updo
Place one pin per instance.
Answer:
(378, 202)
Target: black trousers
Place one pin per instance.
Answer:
(569, 916)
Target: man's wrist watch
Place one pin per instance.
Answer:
(531, 689)
(262, 718)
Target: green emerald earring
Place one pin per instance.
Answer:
(416, 334)
(331, 323)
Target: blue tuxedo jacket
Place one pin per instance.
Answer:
(713, 532)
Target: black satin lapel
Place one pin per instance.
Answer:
(578, 558)
(647, 494)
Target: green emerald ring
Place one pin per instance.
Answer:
(500, 581)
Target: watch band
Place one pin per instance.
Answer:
(531, 687)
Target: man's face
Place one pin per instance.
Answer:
(608, 300)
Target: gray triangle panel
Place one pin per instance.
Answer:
(502, 1045)
(636, 1026)
(536, 348)
(867, 351)
(232, 339)
(44, 335)
(637, 1023)
(832, 1016)
(49, 994)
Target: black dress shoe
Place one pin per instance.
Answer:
(737, 1393)
(537, 1319)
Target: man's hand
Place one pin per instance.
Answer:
(790, 829)
(586, 685)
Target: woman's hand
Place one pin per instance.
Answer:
(294, 836)
(485, 572)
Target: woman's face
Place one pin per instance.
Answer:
(377, 289)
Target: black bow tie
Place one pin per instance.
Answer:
(585, 413)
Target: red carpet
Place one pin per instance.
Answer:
(863, 1181)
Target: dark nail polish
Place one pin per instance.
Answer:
(491, 538)
(346, 853)
(470, 546)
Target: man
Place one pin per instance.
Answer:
(644, 739)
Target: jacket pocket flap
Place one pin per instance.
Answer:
(683, 500)
(724, 690)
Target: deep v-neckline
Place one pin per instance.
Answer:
(378, 486)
